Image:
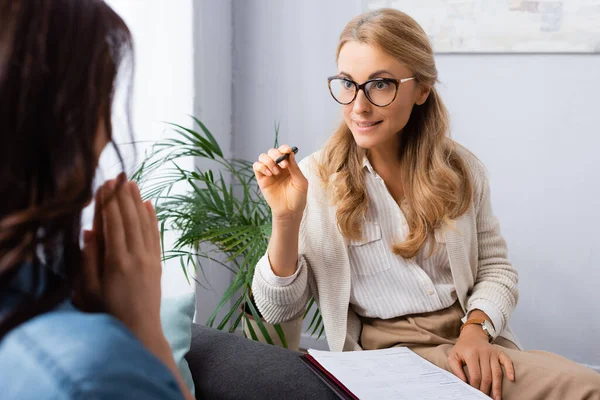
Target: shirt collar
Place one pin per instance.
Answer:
(367, 164)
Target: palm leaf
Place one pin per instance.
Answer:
(221, 215)
(259, 321)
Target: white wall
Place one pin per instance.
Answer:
(532, 119)
(538, 134)
(213, 106)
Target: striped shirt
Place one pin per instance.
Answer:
(385, 285)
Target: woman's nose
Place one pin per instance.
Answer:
(361, 103)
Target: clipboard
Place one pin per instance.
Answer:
(336, 386)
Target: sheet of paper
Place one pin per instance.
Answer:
(396, 373)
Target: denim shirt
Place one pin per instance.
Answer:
(68, 354)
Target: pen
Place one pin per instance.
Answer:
(286, 155)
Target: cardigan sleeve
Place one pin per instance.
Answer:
(283, 299)
(278, 303)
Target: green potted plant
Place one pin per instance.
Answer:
(221, 219)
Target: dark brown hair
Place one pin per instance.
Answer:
(59, 61)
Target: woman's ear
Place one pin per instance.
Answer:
(422, 94)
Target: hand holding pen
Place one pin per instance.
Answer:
(281, 182)
(286, 155)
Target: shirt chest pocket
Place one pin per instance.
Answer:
(370, 254)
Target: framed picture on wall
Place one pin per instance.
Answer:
(504, 26)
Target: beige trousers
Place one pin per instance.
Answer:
(538, 374)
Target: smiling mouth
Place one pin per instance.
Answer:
(366, 124)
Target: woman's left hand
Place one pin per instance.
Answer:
(483, 360)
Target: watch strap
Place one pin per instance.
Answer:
(477, 321)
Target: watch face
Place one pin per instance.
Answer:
(488, 328)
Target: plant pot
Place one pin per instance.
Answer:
(292, 331)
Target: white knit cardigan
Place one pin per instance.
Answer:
(476, 250)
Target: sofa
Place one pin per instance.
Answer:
(227, 366)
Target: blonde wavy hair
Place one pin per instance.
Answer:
(437, 183)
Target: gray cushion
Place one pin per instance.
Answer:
(225, 366)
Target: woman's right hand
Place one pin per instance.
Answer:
(283, 185)
(122, 259)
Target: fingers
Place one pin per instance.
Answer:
(127, 221)
(131, 220)
(497, 376)
(474, 371)
(456, 366)
(261, 169)
(486, 374)
(284, 149)
(266, 162)
(508, 366)
(269, 160)
(266, 167)
(294, 168)
(112, 223)
(153, 223)
(143, 216)
(290, 164)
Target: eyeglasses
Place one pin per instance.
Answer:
(380, 92)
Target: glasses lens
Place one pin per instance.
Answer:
(381, 93)
(342, 90)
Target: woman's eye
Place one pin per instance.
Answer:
(348, 85)
(381, 85)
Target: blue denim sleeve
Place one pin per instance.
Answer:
(130, 372)
(70, 355)
(129, 385)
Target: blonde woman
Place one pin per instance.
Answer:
(390, 228)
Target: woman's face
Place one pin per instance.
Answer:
(376, 127)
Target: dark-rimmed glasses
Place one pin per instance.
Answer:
(380, 92)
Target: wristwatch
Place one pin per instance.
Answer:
(486, 325)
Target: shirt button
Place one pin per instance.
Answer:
(430, 292)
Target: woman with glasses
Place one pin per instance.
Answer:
(390, 227)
